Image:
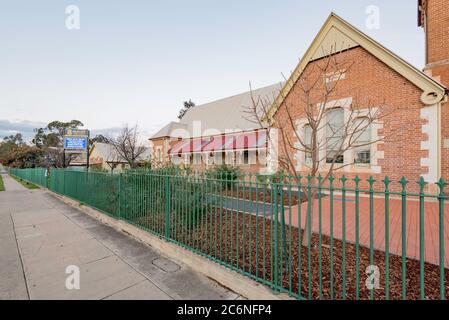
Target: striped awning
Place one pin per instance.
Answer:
(240, 141)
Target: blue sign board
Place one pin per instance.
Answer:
(76, 143)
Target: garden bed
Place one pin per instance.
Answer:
(248, 244)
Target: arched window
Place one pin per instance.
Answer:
(362, 140)
(334, 135)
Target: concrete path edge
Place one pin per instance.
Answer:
(226, 277)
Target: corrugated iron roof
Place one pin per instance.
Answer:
(221, 116)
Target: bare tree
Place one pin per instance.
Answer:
(113, 159)
(56, 157)
(317, 124)
(128, 146)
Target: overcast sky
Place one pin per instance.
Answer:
(138, 60)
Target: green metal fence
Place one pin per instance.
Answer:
(312, 239)
(37, 176)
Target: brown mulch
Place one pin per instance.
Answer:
(232, 238)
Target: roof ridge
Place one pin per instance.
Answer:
(238, 94)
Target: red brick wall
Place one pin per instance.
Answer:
(437, 30)
(437, 36)
(166, 144)
(371, 82)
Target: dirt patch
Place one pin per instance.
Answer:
(274, 254)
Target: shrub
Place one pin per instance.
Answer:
(267, 179)
(224, 174)
(188, 201)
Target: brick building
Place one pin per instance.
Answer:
(434, 19)
(219, 132)
(410, 139)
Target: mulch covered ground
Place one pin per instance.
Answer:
(248, 243)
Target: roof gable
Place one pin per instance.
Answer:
(337, 35)
(167, 130)
(220, 116)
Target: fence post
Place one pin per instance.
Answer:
(422, 184)
(63, 182)
(119, 195)
(48, 178)
(276, 237)
(167, 207)
(441, 184)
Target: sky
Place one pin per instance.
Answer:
(138, 60)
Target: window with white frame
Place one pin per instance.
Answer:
(334, 135)
(362, 141)
(308, 144)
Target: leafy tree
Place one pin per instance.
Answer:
(23, 156)
(9, 143)
(52, 135)
(99, 138)
(16, 139)
(187, 105)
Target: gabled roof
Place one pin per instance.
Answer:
(106, 151)
(221, 116)
(168, 129)
(109, 153)
(339, 35)
(229, 113)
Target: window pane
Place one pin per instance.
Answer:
(308, 144)
(362, 135)
(363, 156)
(331, 155)
(307, 135)
(334, 134)
(362, 131)
(335, 119)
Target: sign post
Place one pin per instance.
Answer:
(77, 141)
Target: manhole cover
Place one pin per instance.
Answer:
(166, 265)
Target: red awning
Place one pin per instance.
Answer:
(199, 144)
(241, 141)
(215, 145)
(181, 147)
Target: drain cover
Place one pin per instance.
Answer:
(166, 265)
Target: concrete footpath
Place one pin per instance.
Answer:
(40, 237)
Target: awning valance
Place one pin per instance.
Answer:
(229, 142)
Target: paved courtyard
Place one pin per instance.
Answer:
(40, 237)
(412, 223)
(431, 225)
